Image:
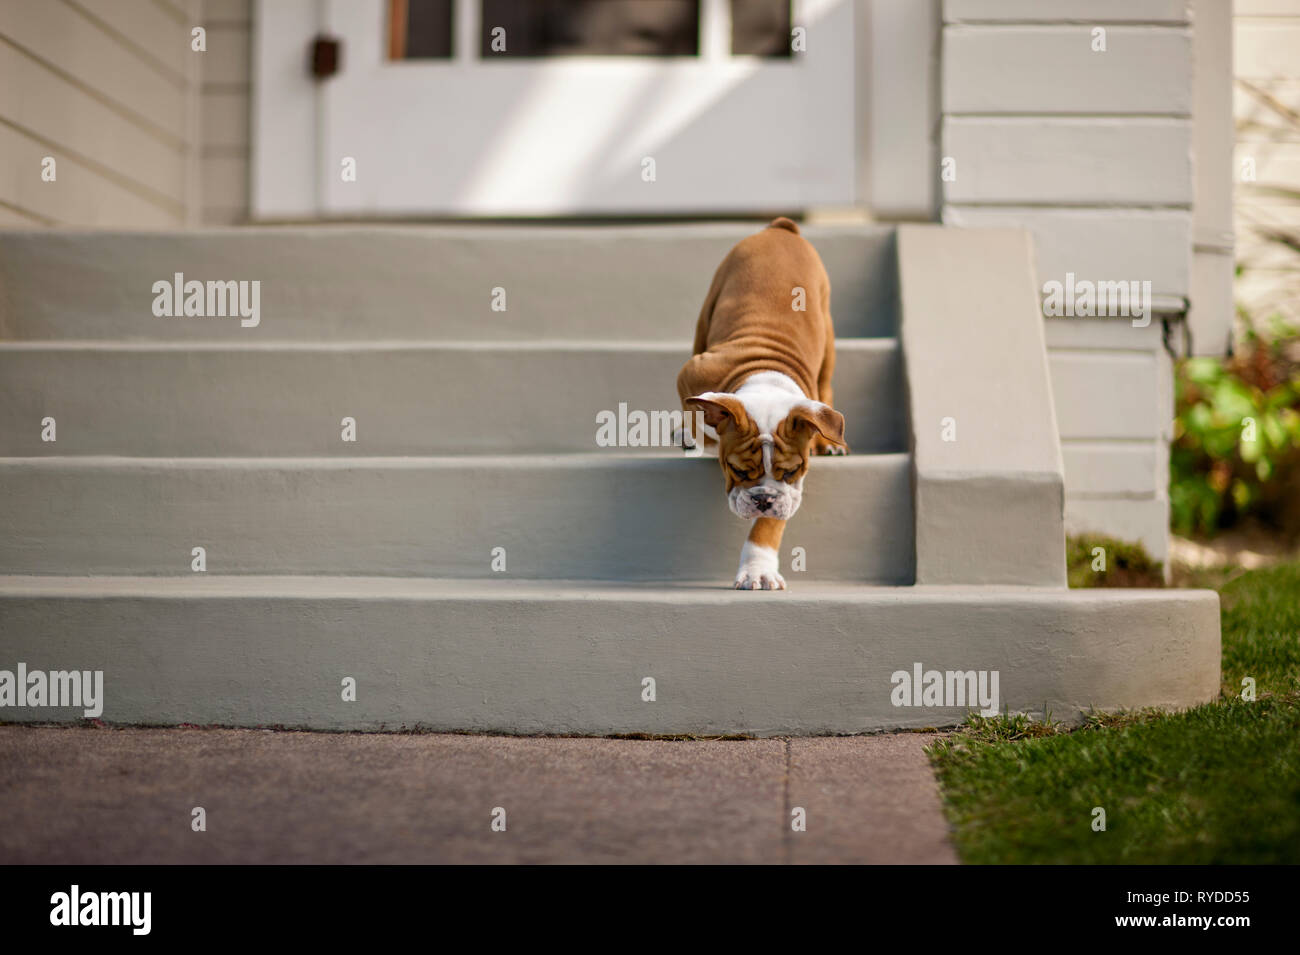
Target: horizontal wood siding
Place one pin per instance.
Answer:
(1089, 11)
(1053, 69)
(1113, 394)
(226, 104)
(1069, 161)
(104, 88)
(1098, 244)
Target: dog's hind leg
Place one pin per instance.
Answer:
(825, 393)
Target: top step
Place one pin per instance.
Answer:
(329, 283)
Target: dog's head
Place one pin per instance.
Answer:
(764, 462)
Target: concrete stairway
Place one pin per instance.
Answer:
(474, 559)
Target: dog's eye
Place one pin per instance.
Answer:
(789, 475)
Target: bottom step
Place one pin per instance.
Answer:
(573, 657)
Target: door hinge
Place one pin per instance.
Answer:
(326, 56)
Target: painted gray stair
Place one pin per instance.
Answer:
(611, 515)
(563, 657)
(418, 398)
(475, 433)
(416, 283)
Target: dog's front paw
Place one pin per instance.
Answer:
(759, 569)
(693, 446)
(764, 580)
(759, 575)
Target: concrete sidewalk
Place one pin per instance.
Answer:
(96, 795)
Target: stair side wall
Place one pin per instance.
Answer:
(988, 478)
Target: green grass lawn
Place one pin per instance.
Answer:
(1216, 784)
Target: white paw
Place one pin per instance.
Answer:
(834, 450)
(759, 580)
(759, 569)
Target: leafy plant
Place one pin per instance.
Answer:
(1236, 448)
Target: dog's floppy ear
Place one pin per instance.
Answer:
(719, 410)
(820, 418)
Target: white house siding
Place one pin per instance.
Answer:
(1267, 41)
(226, 99)
(108, 88)
(1093, 152)
(1113, 390)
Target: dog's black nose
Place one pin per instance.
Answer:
(763, 498)
(763, 504)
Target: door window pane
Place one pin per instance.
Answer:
(424, 29)
(591, 28)
(760, 27)
(420, 29)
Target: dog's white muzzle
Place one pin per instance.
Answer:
(771, 498)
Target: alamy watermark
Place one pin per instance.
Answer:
(922, 687)
(213, 299)
(1082, 298)
(80, 688)
(647, 429)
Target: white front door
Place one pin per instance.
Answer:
(489, 133)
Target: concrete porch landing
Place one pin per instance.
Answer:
(92, 796)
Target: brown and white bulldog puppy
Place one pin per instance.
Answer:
(761, 376)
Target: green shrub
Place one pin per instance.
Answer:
(1236, 448)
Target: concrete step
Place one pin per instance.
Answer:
(513, 656)
(285, 399)
(613, 516)
(416, 283)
